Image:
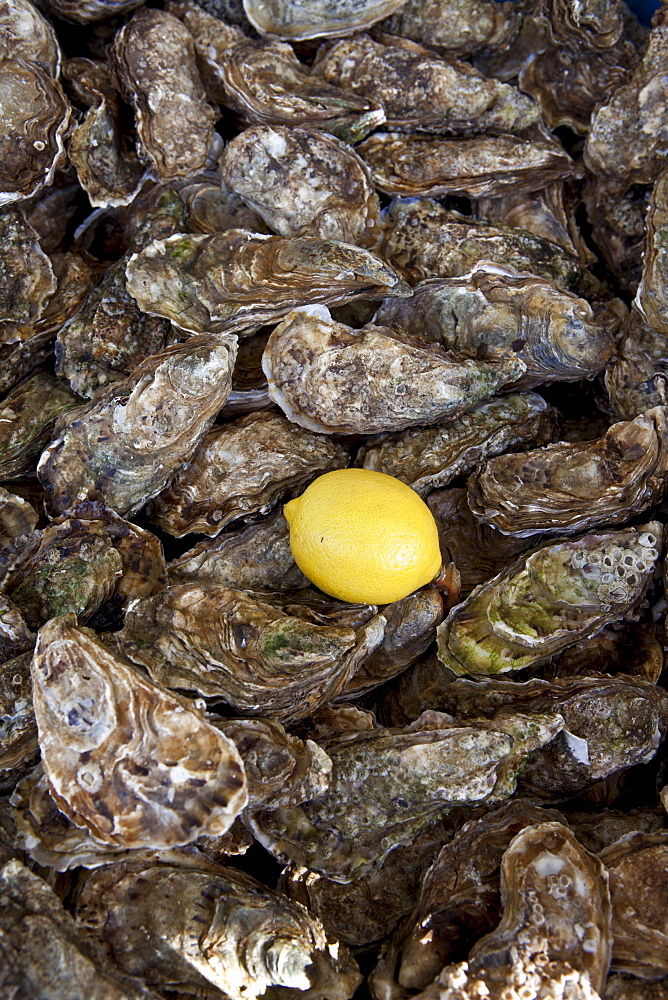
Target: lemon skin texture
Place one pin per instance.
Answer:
(362, 536)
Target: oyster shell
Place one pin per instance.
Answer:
(422, 239)
(636, 379)
(427, 458)
(387, 785)
(80, 562)
(196, 924)
(638, 870)
(265, 82)
(236, 280)
(15, 636)
(109, 173)
(19, 748)
(539, 605)
(557, 335)
(83, 11)
(253, 557)
(419, 91)
(25, 34)
(316, 18)
(17, 517)
(331, 378)
(36, 118)
(135, 764)
(27, 416)
(618, 228)
(458, 27)
(303, 183)
(651, 300)
(484, 166)
(620, 987)
(212, 208)
(153, 57)
(568, 488)
(235, 647)
(125, 444)
(244, 468)
(26, 276)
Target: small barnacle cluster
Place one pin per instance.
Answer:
(245, 243)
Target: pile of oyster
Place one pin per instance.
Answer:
(242, 245)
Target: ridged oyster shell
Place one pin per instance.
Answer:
(651, 298)
(27, 416)
(26, 34)
(316, 18)
(27, 280)
(458, 27)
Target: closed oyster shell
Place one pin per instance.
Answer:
(26, 34)
(419, 91)
(236, 280)
(26, 276)
(36, 118)
(636, 379)
(265, 82)
(651, 298)
(387, 785)
(110, 174)
(427, 458)
(135, 764)
(15, 636)
(621, 987)
(212, 208)
(234, 647)
(556, 334)
(84, 11)
(125, 444)
(331, 378)
(153, 58)
(78, 563)
(19, 748)
(539, 605)
(27, 416)
(303, 183)
(568, 488)
(618, 228)
(458, 27)
(244, 468)
(638, 870)
(484, 166)
(197, 924)
(17, 517)
(253, 557)
(316, 18)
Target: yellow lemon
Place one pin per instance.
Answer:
(363, 536)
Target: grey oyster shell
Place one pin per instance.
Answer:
(136, 765)
(316, 18)
(19, 748)
(303, 183)
(27, 416)
(387, 785)
(556, 334)
(636, 379)
(428, 458)
(27, 280)
(458, 27)
(125, 444)
(196, 924)
(332, 378)
(566, 488)
(243, 468)
(237, 281)
(651, 299)
(542, 603)
(237, 647)
(17, 517)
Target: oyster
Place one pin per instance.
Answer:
(484, 166)
(153, 57)
(83, 11)
(36, 117)
(539, 605)
(124, 445)
(303, 183)
(27, 416)
(387, 785)
(598, 830)
(418, 91)
(316, 18)
(636, 379)
(651, 299)
(638, 869)
(458, 27)
(459, 901)
(234, 647)
(253, 557)
(19, 749)
(197, 924)
(557, 335)
(621, 987)
(426, 458)
(26, 34)
(79, 563)
(45, 955)
(26, 276)
(17, 517)
(15, 636)
(331, 378)
(237, 281)
(212, 208)
(265, 82)
(618, 228)
(110, 174)
(477, 550)
(422, 239)
(568, 488)
(135, 764)
(244, 468)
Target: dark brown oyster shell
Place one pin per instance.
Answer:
(27, 416)
(651, 298)
(26, 34)
(26, 276)
(636, 379)
(19, 748)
